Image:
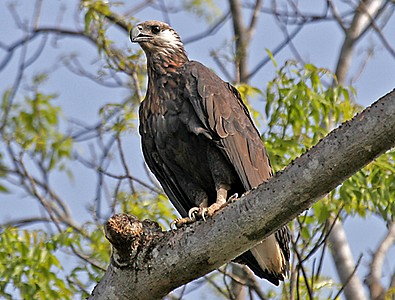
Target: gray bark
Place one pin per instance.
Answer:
(149, 266)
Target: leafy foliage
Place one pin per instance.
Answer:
(34, 259)
(31, 266)
(300, 110)
(34, 127)
(371, 190)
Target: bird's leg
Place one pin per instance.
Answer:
(222, 193)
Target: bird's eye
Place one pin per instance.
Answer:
(155, 29)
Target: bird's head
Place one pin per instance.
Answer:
(159, 39)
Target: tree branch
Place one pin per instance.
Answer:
(275, 51)
(345, 284)
(376, 267)
(337, 15)
(344, 262)
(148, 263)
(364, 14)
(241, 41)
(210, 31)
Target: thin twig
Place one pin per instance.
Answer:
(337, 16)
(349, 278)
(210, 31)
(305, 277)
(124, 164)
(275, 52)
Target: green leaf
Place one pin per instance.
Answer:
(88, 19)
(270, 54)
(3, 189)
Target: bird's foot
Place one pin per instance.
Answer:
(178, 223)
(197, 213)
(201, 212)
(213, 208)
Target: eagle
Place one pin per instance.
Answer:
(200, 142)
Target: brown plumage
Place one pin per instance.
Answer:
(200, 141)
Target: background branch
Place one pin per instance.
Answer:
(373, 280)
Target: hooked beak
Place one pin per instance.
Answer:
(137, 36)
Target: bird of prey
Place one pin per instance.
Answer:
(200, 141)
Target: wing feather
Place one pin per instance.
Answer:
(220, 108)
(161, 170)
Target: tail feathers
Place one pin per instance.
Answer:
(270, 258)
(248, 259)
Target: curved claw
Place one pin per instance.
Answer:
(204, 212)
(193, 213)
(174, 223)
(233, 198)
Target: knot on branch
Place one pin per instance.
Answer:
(131, 237)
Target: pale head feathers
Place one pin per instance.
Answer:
(158, 38)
